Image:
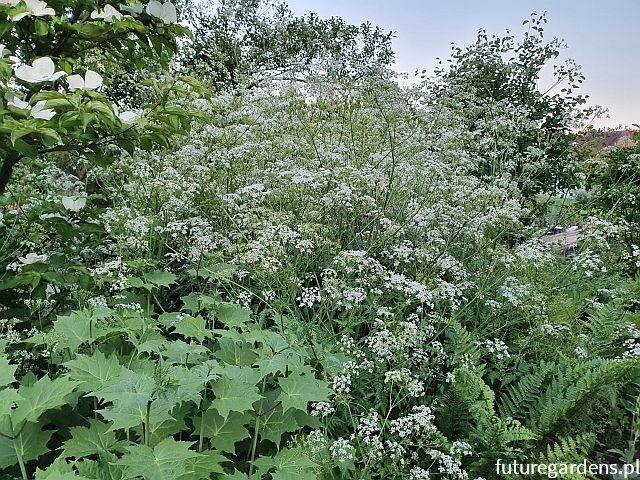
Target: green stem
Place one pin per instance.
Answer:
(23, 469)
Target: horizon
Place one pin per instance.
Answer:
(425, 30)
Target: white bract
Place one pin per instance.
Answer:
(75, 204)
(41, 70)
(12, 3)
(128, 116)
(4, 51)
(31, 258)
(108, 14)
(36, 8)
(37, 111)
(91, 81)
(165, 12)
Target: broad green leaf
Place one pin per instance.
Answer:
(232, 315)
(193, 327)
(130, 393)
(202, 466)
(299, 390)
(223, 432)
(43, 395)
(166, 461)
(59, 470)
(234, 396)
(161, 279)
(31, 443)
(274, 424)
(7, 371)
(74, 329)
(96, 439)
(289, 464)
(235, 353)
(93, 372)
(8, 398)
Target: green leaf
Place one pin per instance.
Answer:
(275, 423)
(161, 279)
(193, 327)
(31, 443)
(96, 439)
(43, 395)
(290, 464)
(130, 394)
(74, 329)
(232, 315)
(93, 372)
(7, 371)
(166, 461)
(223, 432)
(234, 396)
(202, 466)
(299, 390)
(8, 398)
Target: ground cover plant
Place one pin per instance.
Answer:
(276, 263)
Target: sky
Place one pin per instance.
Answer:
(603, 37)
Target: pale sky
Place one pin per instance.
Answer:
(603, 36)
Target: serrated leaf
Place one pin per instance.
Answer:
(193, 327)
(7, 371)
(93, 372)
(275, 423)
(166, 461)
(161, 279)
(43, 395)
(96, 439)
(223, 432)
(233, 315)
(234, 396)
(299, 390)
(130, 394)
(31, 443)
(75, 329)
(289, 464)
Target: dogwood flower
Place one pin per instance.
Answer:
(36, 8)
(75, 204)
(31, 258)
(91, 81)
(41, 70)
(165, 12)
(108, 14)
(37, 111)
(127, 116)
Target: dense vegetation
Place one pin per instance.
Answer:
(248, 253)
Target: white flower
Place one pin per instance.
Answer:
(41, 70)
(12, 3)
(4, 51)
(108, 14)
(165, 12)
(75, 204)
(37, 8)
(13, 101)
(128, 116)
(91, 81)
(37, 111)
(31, 258)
